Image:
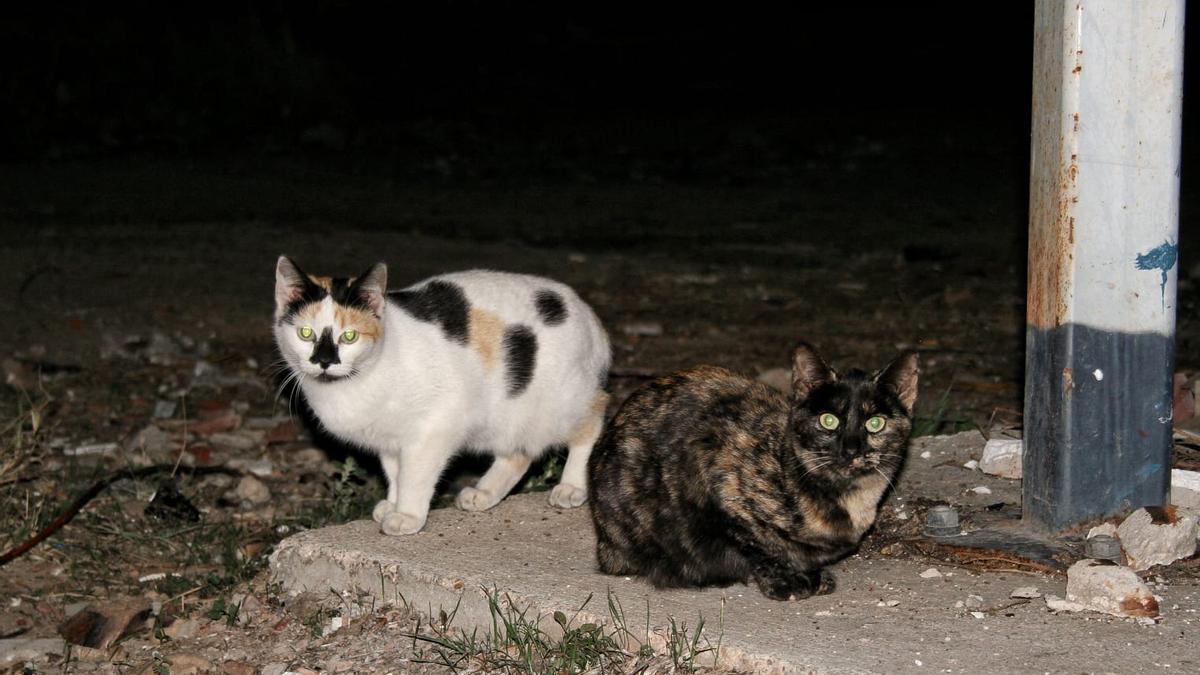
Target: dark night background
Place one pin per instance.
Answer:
(828, 137)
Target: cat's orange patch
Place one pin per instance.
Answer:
(486, 330)
(323, 282)
(588, 429)
(361, 320)
(861, 502)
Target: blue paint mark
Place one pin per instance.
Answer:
(1162, 257)
(1149, 470)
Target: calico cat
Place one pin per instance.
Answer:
(705, 477)
(494, 362)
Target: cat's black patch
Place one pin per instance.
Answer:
(520, 358)
(439, 302)
(325, 352)
(550, 307)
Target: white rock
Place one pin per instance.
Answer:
(1111, 589)
(1185, 489)
(981, 490)
(978, 615)
(931, 573)
(1030, 592)
(1147, 543)
(92, 449)
(1058, 604)
(926, 455)
(972, 465)
(974, 601)
(1002, 457)
(237, 441)
(1103, 528)
(21, 650)
(253, 490)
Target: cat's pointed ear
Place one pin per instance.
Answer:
(901, 378)
(372, 287)
(290, 283)
(809, 371)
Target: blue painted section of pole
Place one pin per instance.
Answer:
(1103, 258)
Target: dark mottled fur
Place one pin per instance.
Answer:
(550, 307)
(520, 357)
(439, 302)
(705, 477)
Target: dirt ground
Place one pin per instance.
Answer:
(137, 296)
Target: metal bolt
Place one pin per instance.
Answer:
(941, 521)
(1103, 547)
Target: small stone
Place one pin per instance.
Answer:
(188, 664)
(238, 668)
(1109, 588)
(887, 603)
(182, 629)
(1057, 604)
(973, 601)
(1002, 457)
(823, 612)
(931, 573)
(926, 455)
(1157, 538)
(981, 490)
(642, 328)
(1030, 592)
(23, 650)
(978, 615)
(236, 441)
(274, 669)
(91, 449)
(253, 490)
(164, 409)
(971, 464)
(152, 440)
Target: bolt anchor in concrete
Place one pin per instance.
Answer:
(942, 521)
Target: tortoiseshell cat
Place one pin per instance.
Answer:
(705, 477)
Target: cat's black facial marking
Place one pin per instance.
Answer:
(850, 448)
(520, 358)
(550, 307)
(439, 302)
(325, 351)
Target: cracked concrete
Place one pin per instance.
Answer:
(884, 616)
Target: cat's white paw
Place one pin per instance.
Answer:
(396, 523)
(566, 496)
(382, 508)
(474, 499)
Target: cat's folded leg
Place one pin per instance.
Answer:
(494, 485)
(391, 471)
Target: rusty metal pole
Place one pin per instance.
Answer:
(1103, 254)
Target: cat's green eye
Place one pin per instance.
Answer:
(349, 336)
(829, 421)
(306, 333)
(876, 424)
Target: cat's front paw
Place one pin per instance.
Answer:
(382, 508)
(397, 523)
(566, 496)
(474, 499)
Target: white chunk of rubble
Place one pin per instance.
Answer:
(1002, 457)
(1029, 592)
(972, 465)
(931, 573)
(1148, 543)
(1101, 586)
(1185, 489)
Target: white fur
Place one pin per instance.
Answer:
(417, 398)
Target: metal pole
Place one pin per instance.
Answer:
(1103, 254)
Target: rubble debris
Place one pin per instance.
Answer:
(152, 440)
(642, 328)
(92, 449)
(29, 650)
(971, 465)
(931, 573)
(226, 419)
(1185, 489)
(1028, 592)
(973, 601)
(241, 440)
(99, 627)
(1157, 536)
(1002, 457)
(982, 490)
(1103, 586)
(259, 467)
(164, 409)
(253, 490)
